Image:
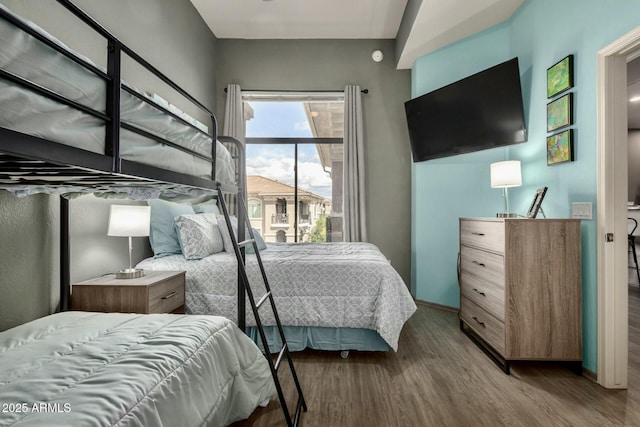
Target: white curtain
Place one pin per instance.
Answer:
(354, 215)
(233, 114)
(234, 127)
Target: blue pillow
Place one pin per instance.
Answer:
(259, 241)
(210, 206)
(163, 236)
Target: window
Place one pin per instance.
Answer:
(294, 163)
(255, 209)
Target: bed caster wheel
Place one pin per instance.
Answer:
(344, 354)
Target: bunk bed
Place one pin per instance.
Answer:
(74, 129)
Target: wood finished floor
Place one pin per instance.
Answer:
(439, 377)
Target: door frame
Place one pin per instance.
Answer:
(612, 185)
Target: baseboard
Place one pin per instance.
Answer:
(437, 306)
(590, 375)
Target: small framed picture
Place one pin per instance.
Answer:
(560, 147)
(537, 202)
(560, 112)
(560, 76)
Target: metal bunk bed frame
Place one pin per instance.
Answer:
(50, 163)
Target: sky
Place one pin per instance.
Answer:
(276, 161)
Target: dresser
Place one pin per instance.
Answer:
(521, 288)
(155, 292)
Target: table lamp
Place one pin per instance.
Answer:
(504, 175)
(129, 221)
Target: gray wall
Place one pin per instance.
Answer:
(634, 165)
(173, 37)
(169, 34)
(29, 272)
(330, 65)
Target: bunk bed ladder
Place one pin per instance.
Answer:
(239, 247)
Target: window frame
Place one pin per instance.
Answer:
(254, 199)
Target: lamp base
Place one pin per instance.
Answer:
(506, 215)
(130, 273)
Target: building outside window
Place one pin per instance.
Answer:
(277, 199)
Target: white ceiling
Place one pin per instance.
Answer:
(442, 22)
(437, 23)
(302, 19)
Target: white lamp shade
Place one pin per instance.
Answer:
(127, 220)
(506, 174)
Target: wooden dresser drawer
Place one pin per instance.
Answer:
(482, 234)
(166, 296)
(484, 324)
(484, 265)
(484, 286)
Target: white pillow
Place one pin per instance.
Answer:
(226, 237)
(199, 235)
(224, 231)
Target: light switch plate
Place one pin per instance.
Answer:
(581, 210)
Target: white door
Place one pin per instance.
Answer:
(612, 210)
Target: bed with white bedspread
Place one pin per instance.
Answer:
(328, 285)
(113, 369)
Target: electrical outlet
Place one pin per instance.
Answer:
(581, 210)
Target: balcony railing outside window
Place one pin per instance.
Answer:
(280, 218)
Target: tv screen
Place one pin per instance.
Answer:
(476, 113)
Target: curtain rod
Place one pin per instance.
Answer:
(365, 91)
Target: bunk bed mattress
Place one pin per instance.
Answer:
(333, 285)
(27, 112)
(129, 370)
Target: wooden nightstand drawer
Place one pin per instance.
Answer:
(155, 292)
(482, 234)
(484, 324)
(166, 296)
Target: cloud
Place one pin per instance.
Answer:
(302, 126)
(311, 176)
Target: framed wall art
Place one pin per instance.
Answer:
(560, 147)
(560, 76)
(560, 112)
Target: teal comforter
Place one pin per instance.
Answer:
(112, 369)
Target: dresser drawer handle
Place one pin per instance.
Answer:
(171, 295)
(479, 322)
(481, 264)
(477, 234)
(480, 292)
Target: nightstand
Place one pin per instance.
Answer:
(155, 292)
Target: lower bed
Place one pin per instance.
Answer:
(329, 296)
(112, 369)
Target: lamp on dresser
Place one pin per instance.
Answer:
(129, 221)
(504, 175)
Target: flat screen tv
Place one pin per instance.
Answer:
(476, 113)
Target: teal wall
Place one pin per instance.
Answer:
(540, 33)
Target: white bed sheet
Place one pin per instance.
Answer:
(113, 369)
(314, 284)
(28, 112)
